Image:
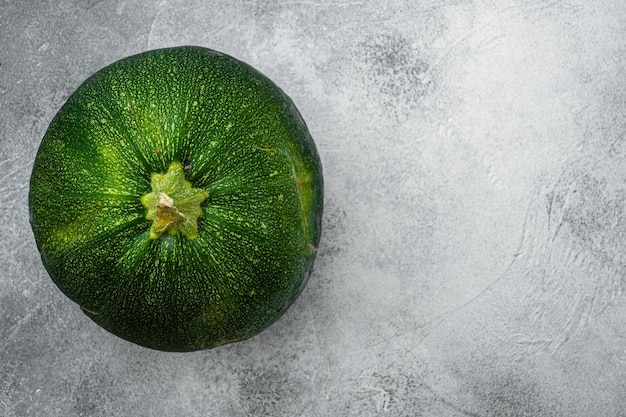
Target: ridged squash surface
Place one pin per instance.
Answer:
(186, 135)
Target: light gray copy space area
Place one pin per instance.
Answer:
(472, 256)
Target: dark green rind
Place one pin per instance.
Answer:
(241, 139)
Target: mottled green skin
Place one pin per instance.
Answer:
(240, 138)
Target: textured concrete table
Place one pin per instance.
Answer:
(472, 261)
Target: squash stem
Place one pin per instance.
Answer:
(173, 205)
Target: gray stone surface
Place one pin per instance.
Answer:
(472, 260)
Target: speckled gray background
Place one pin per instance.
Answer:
(473, 252)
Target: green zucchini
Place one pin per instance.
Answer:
(177, 198)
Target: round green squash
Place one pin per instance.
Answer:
(177, 198)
